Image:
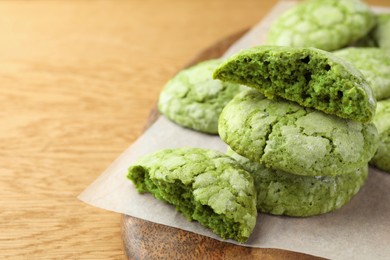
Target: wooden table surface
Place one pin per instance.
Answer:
(77, 81)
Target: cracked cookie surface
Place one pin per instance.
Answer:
(285, 136)
(381, 158)
(204, 185)
(194, 100)
(374, 63)
(324, 24)
(282, 193)
(308, 76)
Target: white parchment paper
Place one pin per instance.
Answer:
(359, 230)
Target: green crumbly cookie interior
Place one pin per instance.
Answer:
(181, 196)
(205, 198)
(310, 77)
(374, 63)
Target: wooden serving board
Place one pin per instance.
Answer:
(147, 240)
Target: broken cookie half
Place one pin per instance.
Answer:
(204, 185)
(311, 77)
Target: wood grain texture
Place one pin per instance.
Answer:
(77, 81)
(154, 241)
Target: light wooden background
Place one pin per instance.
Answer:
(77, 81)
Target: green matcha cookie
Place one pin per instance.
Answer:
(281, 193)
(204, 185)
(308, 76)
(324, 24)
(285, 136)
(381, 32)
(194, 100)
(374, 63)
(382, 122)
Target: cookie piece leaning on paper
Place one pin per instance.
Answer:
(282, 193)
(204, 185)
(374, 63)
(381, 158)
(308, 76)
(285, 136)
(325, 24)
(193, 99)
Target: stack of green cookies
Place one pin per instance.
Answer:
(300, 140)
(331, 25)
(300, 137)
(304, 131)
